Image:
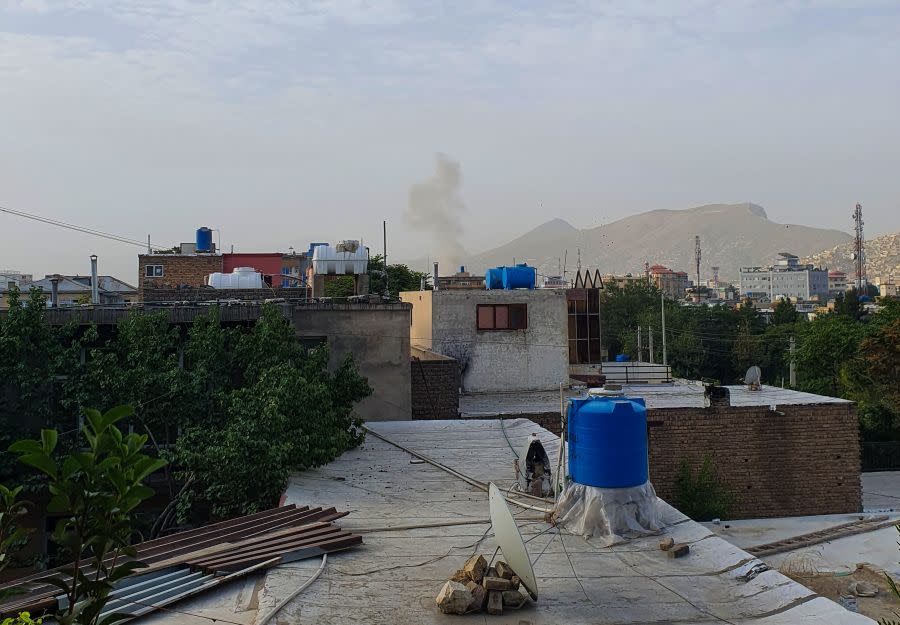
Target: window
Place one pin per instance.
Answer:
(502, 316)
(154, 271)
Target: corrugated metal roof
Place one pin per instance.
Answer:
(193, 560)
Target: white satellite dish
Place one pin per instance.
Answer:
(753, 376)
(510, 541)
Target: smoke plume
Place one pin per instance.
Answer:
(435, 208)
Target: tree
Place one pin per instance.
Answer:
(824, 346)
(400, 277)
(12, 536)
(339, 287)
(848, 304)
(94, 492)
(784, 312)
(282, 409)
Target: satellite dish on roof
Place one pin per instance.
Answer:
(753, 377)
(510, 541)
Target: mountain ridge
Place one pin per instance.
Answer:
(731, 236)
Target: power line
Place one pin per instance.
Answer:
(76, 228)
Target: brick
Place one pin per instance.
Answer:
(679, 550)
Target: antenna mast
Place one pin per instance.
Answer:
(697, 258)
(716, 276)
(859, 249)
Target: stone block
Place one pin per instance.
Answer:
(495, 602)
(454, 598)
(479, 596)
(679, 550)
(513, 599)
(475, 567)
(497, 583)
(504, 570)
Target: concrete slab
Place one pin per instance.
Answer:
(881, 491)
(395, 576)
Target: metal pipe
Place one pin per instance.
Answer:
(95, 288)
(54, 291)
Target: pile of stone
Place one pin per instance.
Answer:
(478, 587)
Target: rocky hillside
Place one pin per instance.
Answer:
(882, 257)
(731, 236)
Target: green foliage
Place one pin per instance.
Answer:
(94, 492)
(700, 495)
(340, 287)
(236, 393)
(279, 410)
(12, 536)
(784, 312)
(400, 277)
(23, 618)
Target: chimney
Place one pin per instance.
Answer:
(435, 276)
(54, 291)
(95, 288)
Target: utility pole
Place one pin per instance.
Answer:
(859, 249)
(384, 243)
(650, 337)
(792, 375)
(640, 349)
(697, 259)
(662, 306)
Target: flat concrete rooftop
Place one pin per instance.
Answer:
(679, 394)
(395, 576)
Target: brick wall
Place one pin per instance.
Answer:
(801, 460)
(178, 270)
(434, 386)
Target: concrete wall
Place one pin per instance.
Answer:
(536, 358)
(378, 338)
(435, 385)
(376, 334)
(421, 327)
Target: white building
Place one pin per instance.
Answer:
(786, 279)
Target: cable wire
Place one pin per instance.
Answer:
(76, 228)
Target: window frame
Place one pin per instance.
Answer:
(522, 316)
(150, 271)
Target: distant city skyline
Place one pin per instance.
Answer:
(285, 122)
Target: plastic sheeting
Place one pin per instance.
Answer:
(609, 513)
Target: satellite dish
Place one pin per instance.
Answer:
(753, 377)
(510, 541)
(852, 255)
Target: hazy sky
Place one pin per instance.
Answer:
(284, 122)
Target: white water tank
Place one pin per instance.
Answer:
(332, 261)
(240, 278)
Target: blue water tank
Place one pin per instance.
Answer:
(608, 441)
(622, 358)
(519, 277)
(493, 278)
(204, 240)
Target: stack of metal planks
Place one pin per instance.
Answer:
(186, 563)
